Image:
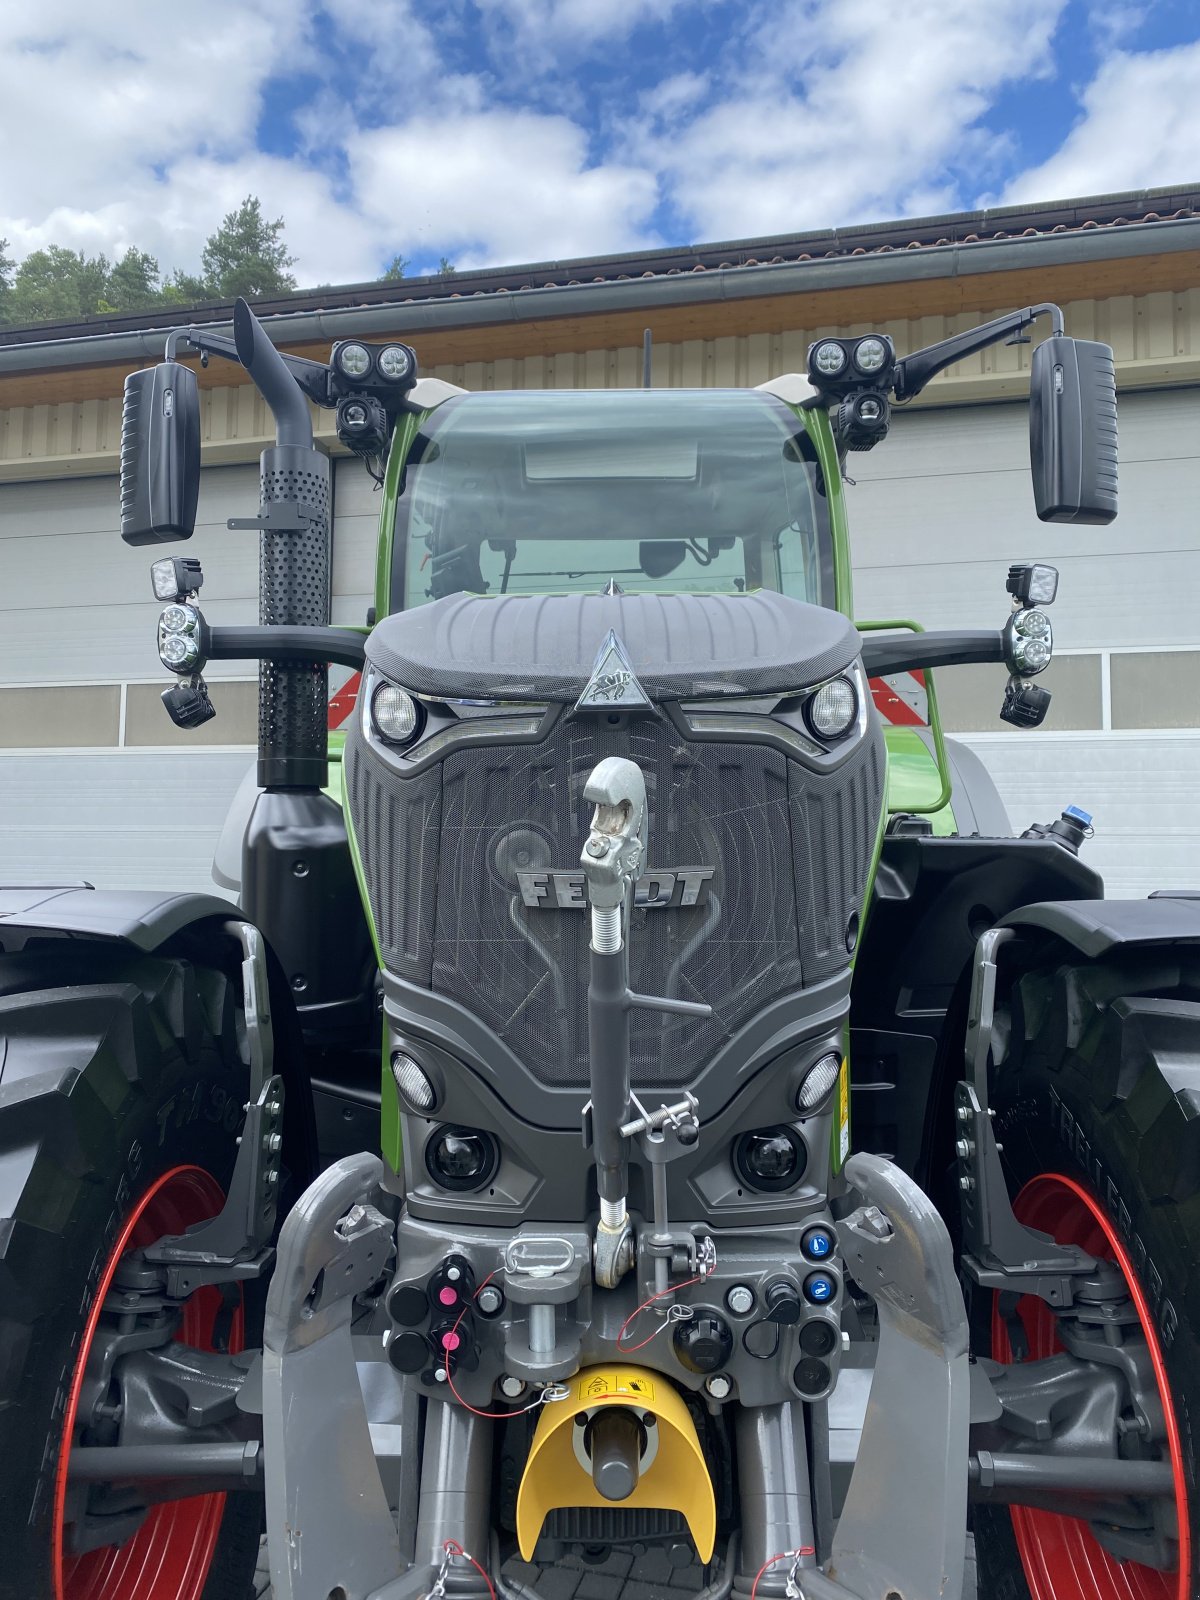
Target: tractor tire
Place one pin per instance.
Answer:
(122, 1088)
(1097, 1105)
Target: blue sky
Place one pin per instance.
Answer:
(500, 131)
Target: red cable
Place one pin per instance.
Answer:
(804, 1550)
(453, 1548)
(490, 1416)
(628, 1349)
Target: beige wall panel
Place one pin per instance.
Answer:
(969, 698)
(1156, 689)
(236, 721)
(54, 718)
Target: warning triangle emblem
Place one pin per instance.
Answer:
(613, 681)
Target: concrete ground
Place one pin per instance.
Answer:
(620, 1577)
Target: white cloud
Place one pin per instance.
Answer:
(500, 185)
(549, 23)
(841, 108)
(465, 127)
(1139, 129)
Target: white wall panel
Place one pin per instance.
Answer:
(1140, 788)
(116, 818)
(939, 510)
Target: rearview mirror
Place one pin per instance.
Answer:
(658, 557)
(160, 454)
(1073, 430)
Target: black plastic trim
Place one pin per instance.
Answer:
(1096, 927)
(144, 918)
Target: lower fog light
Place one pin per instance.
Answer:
(770, 1159)
(461, 1159)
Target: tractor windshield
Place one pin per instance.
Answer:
(557, 492)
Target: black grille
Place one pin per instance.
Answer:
(790, 853)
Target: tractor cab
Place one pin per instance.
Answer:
(653, 492)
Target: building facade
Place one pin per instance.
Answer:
(96, 784)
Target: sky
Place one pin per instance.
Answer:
(495, 132)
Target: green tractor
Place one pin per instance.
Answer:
(613, 900)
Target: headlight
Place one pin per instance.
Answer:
(817, 1082)
(353, 360)
(461, 1158)
(828, 358)
(770, 1159)
(179, 638)
(395, 714)
(395, 363)
(1028, 642)
(832, 711)
(416, 1088)
(870, 355)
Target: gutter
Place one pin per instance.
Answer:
(410, 319)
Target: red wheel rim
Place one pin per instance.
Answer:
(1061, 1556)
(169, 1557)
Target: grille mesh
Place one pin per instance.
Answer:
(790, 853)
(525, 972)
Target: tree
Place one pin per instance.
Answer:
(58, 285)
(7, 268)
(397, 269)
(446, 268)
(185, 289)
(133, 283)
(247, 255)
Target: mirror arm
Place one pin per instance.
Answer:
(314, 377)
(911, 652)
(282, 642)
(915, 371)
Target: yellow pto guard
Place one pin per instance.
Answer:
(636, 1438)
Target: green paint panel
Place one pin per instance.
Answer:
(914, 782)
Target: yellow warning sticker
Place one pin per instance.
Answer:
(623, 1381)
(843, 1114)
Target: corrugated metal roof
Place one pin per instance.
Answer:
(1010, 223)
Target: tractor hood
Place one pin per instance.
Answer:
(545, 647)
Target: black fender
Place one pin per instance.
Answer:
(1097, 928)
(192, 925)
(144, 918)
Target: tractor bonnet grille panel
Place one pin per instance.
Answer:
(524, 971)
(789, 851)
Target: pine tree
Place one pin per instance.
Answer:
(133, 283)
(7, 269)
(247, 255)
(399, 266)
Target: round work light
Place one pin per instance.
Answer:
(353, 360)
(870, 355)
(395, 363)
(828, 358)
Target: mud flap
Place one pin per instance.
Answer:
(902, 1531)
(329, 1526)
